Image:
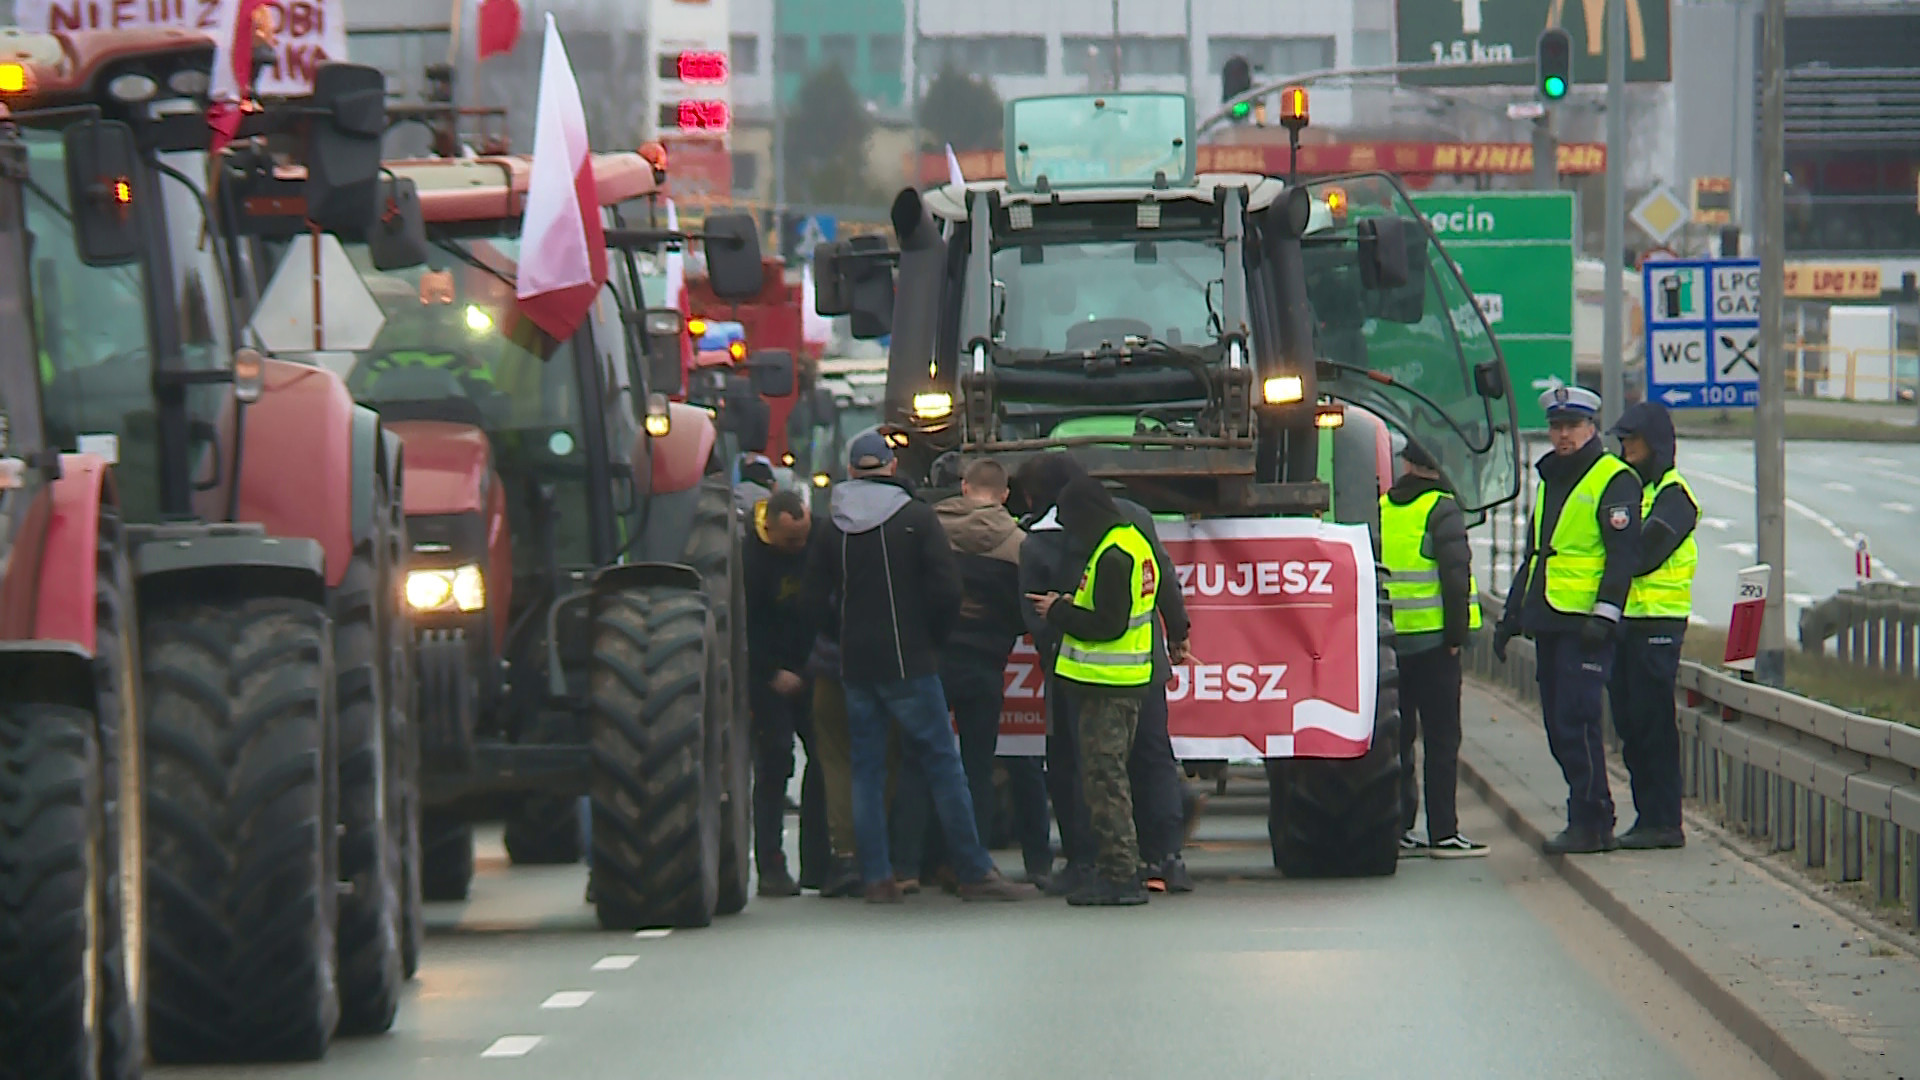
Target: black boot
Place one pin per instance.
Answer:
(1104, 892)
(1652, 837)
(1580, 841)
(842, 880)
(1070, 879)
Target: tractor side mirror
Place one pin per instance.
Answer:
(343, 146)
(829, 280)
(1490, 379)
(101, 159)
(397, 239)
(744, 415)
(662, 328)
(772, 372)
(1383, 254)
(822, 406)
(870, 293)
(733, 257)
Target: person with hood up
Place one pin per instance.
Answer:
(1423, 548)
(1165, 811)
(1568, 594)
(1658, 607)
(1105, 666)
(986, 541)
(886, 557)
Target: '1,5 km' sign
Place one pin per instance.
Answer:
(1703, 332)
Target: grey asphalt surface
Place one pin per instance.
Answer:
(1835, 492)
(1481, 968)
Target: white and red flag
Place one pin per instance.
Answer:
(235, 29)
(563, 246)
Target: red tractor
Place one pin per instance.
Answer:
(574, 565)
(261, 765)
(771, 322)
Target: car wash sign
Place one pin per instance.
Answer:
(1285, 644)
(304, 32)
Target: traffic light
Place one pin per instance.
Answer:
(1553, 64)
(1236, 78)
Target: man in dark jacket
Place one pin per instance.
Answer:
(1568, 594)
(1423, 547)
(774, 564)
(986, 542)
(886, 556)
(1658, 606)
(1163, 814)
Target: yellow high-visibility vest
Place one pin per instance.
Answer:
(1666, 592)
(1128, 660)
(1413, 575)
(1576, 558)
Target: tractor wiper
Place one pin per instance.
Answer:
(1132, 349)
(1385, 379)
(467, 257)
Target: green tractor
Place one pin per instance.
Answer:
(1212, 345)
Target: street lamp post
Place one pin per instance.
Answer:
(1770, 416)
(1612, 344)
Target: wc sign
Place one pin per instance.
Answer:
(1703, 332)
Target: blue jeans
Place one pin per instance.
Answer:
(919, 708)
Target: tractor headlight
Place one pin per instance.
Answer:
(1283, 390)
(459, 589)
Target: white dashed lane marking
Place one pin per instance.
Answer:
(511, 1046)
(1897, 507)
(614, 963)
(567, 999)
(656, 932)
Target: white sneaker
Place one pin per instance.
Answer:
(1457, 846)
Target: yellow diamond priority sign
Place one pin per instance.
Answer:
(1660, 214)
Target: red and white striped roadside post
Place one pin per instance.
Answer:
(1749, 611)
(1862, 558)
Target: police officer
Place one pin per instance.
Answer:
(1106, 667)
(1568, 594)
(1658, 605)
(1423, 545)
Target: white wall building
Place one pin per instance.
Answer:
(1066, 46)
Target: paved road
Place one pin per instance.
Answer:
(1483, 969)
(1834, 490)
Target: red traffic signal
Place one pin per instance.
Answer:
(702, 66)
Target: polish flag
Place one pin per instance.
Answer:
(676, 262)
(232, 66)
(563, 247)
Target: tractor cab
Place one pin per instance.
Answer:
(1209, 326)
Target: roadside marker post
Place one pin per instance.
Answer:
(1749, 611)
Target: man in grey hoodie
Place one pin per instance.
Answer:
(886, 557)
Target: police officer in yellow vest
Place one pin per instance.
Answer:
(1658, 605)
(1106, 666)
(1423, 546)
(1569, 593)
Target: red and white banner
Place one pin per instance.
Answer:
(305, 32)
(1285, 644)
(563, 248)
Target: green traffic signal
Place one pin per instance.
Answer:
(1241, 109)
(1555, 88)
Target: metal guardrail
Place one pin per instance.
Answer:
(1838, 790)
(1876, 625)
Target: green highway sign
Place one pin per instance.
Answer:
(1515, 250)
(1465, 31)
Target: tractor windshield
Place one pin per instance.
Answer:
(1445, 382)
(1064, 297)
(454, 347)
(96, 336)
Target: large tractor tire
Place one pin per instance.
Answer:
(371, 970)
(241, 830)
(446, 857)
(714, 550)
(544, 830)
(656, 771)
(1332, 818)
(403, 741)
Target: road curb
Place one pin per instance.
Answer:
(1740, 1018)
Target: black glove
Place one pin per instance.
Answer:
(1596, 633)
(1501, 635)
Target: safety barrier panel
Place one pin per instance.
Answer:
(1876, 625)
(1837, 790)
(1832, 373)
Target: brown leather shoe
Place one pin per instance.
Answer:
(995, 887)
(885, 892)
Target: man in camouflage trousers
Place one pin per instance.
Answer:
(1106, 667)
